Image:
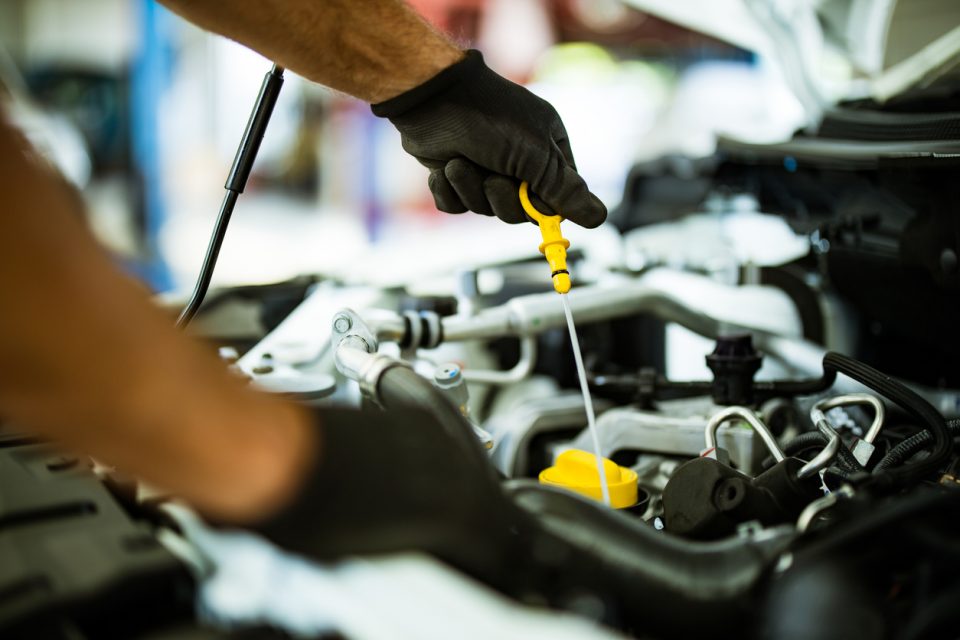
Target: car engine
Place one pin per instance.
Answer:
(771, 336)
(785, 488)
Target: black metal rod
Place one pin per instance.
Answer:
(236, 181)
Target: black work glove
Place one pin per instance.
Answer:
(480, 135)
(400, 481)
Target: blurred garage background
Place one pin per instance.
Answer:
(144, 111)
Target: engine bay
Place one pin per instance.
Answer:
(775, 486)
(770, 341)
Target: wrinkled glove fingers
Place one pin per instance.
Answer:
(503, 194)
(466, 178)
(444, 195)
(562, 141)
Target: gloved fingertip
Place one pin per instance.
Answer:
(591, 215)
(566, 189)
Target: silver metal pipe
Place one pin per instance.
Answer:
(823, 459)
(741, 413)
(520, 371)
(818, 506)
(489, 323)
(533, 314)
(879, 411)
(386, 325)
(356, 357)
(352, 357)
(530, 315)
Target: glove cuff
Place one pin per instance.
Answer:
(471, 64)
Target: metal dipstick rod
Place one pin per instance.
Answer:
(554, 249)
(236, 181)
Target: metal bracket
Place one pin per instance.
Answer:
(347, 323)
(355, 353)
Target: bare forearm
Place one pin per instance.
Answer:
(88, 362)
(371, 49)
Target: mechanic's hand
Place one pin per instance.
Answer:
(394, 482)
(481, 135)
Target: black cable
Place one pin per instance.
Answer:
(909, 401)
(236, 181)
(804, 441)
(917, 442)
(816, 439)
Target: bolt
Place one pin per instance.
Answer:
(342, 324)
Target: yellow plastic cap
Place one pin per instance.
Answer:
(576, 470)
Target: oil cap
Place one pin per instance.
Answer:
(576, 470)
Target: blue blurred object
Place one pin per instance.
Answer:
(150, 74)
(373, 210)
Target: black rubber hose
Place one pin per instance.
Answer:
(791, 388)
(814, 438)
(917, 442)
(667, 586)
(909, 401)
(400, 387)
(661, 388)
(804, 441)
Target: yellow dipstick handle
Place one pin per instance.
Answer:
(554, 245)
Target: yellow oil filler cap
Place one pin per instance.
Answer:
(576, 470)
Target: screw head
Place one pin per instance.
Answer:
(342, 324)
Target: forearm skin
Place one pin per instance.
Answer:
(88, 362)
(371, 49)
